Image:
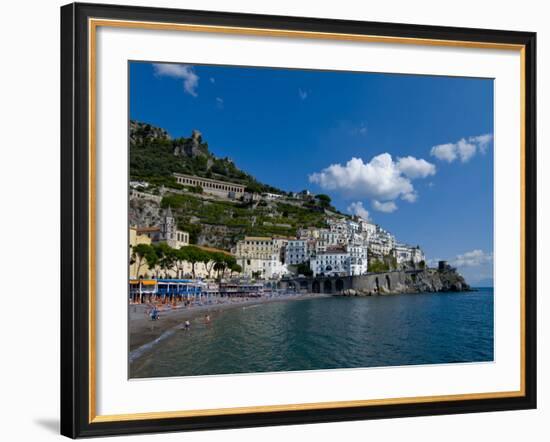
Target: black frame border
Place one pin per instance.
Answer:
(75, 220)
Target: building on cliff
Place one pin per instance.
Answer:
(404, 253)
(166, 231)
(217, 188)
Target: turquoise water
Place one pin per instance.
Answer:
(325, 333)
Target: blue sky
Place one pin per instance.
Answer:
(414, 152)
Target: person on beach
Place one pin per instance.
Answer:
(207, 319)
(154, 314)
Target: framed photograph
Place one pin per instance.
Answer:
(275, 220)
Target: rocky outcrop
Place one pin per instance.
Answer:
(191, 147)
(143, 212)
(422, 281)
(141, 133)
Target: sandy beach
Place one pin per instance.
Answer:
(144, 333)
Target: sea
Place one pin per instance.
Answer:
(330, 333)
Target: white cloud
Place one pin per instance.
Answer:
(381, 180)
(482, 141)
(182, 71)
(415, 168)
(302, 94)
(357, 208)
(473, 258)
(219, 102)
(212, 80)
(410, 197)
(444, 152)
(465, 149)
(387, 207)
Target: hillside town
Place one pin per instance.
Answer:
(344, 246)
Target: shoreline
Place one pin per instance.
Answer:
(144, 334)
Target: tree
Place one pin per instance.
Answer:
(324, 200)
(214, 257)
(180, 256)
(167, 256)
(390, 261)
(304, 269)
(235, 268)
(219, 267)
(230, 262)
(376, 266)
(224, 262)
(139, 256)
(422, 265)
(152, 259)
(194, 255)
(206, 258)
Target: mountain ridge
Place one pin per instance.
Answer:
(155, 156)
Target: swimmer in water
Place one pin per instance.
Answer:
(187, 325)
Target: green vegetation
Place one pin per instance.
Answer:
(376, 266)
(152, 159)
(392, 260)
(242, 218)
(386, 264)
(324, 201)
(304, 269)
(163, 257)
(155, 157)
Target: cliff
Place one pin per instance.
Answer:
(429, 280)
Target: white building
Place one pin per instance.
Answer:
(335, 262)
(418, 255)
(297, 251)
(327, 239)
(139, 184)
(271, 268)
(271, 196)
(261, 256)
(358, 260)
(311, 233)
(404, 253)
(353, 226)
(368, 229)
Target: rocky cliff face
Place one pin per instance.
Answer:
(143, 132)
(144, 213)
(191, 147)
(429, 280)
(440, 281)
